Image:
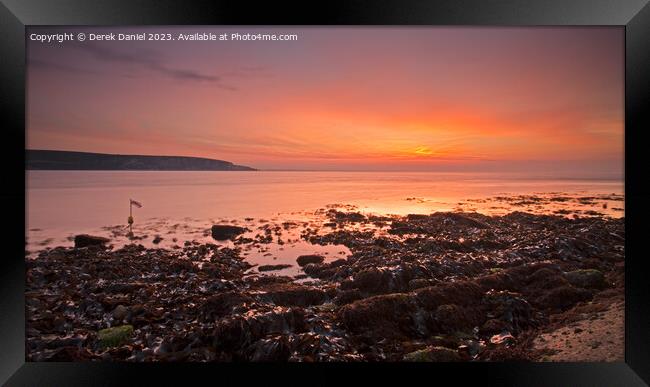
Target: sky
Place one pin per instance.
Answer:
(544, 99)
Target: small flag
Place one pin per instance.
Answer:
(137, 204)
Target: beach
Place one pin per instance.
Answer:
(498, 271)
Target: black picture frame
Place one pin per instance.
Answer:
(15, 15)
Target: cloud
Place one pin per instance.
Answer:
(249, 72)
(149, 60)
(152, 60)
(185, 74)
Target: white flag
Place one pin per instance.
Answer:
(137, 204)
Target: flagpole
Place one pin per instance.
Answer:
(130, 217)
(131, 203)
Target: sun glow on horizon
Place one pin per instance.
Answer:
(423, 151)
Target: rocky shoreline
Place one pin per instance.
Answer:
(452, 286)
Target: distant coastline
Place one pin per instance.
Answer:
(86, 161)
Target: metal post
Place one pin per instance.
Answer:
(130, 218)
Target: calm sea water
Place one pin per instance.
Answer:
(61, 204)
(86, 199)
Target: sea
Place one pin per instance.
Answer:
(179, 206)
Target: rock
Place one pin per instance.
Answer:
(65, 341)
(272, 267)
(514, 311)
(124, 287)
(338, 263)
(345, 297)
(185, 265)
(416, 217)
(262, 281)
(325, 270)
(433, 354)
(310, 346)
(540, 276)
(496, 281)
(120, 312)
(313, 269)
(419, 283)
(243, 330)
(563, 297)
(586, 278)
(289, 294)
(493, 326)
(430, 224)
(274, 349)
(85, 240)
(459, 293)
(452, 318)
(157, 239)
(386, 316)
(461, 220)
(543, 274)
(222, 232)
(416, 314)
(307, 259)
(115, 336)
(339, 216)
(223, 304)
(375, 281)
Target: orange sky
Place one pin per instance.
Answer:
(538, 99)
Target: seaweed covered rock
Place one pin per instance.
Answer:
(374, 281)
(452, 318)
(419, 283)
(289, 294)
(514, 312)
(389, 316)
(85, 240)
(459, 293)
(339, 216)
(432, 224)
(264, 268)
(586, 278)
(494, 326)
(328, 270)
(222, 232)
(272, 349)
(563, 297)
(223, 304)
(240, 331)
(496, 281)
(345, 297)
(120, 312)
(304, 260)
